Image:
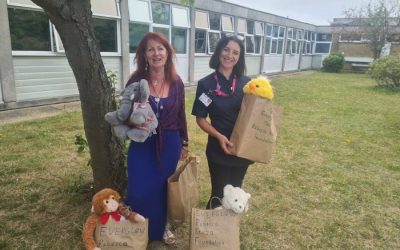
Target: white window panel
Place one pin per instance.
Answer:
(139, 11)
(290, 33)
(180, 17)
(202, 20)
(59, 44)
(269, 30)
(282, 31)
(259, 28)
(26, 3)
(105, 8)
(242, 26)
(227, 24)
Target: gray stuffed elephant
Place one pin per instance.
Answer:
(134, 112)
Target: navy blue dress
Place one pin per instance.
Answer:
(151, 162)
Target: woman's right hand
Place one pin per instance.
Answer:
(225, 144)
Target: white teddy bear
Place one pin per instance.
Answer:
(235, 199)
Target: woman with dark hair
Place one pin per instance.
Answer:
(219, 96)
(151, 162)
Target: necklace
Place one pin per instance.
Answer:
(158, 95)
(157, 99)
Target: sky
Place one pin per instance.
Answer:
(318, 12)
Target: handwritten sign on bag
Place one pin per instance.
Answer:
(121, 235)
(254, 134)
(214, 229)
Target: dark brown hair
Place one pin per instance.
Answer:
(240, 67)
(141, 72)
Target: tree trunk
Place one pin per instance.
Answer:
(73, 21)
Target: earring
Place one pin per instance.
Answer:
(146, 66)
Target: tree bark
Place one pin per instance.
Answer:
(73, 21)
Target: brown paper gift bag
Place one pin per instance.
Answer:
(254, 134)
(216, 229)
(122, 235)
(182, 191)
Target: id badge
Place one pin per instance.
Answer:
(205, 99)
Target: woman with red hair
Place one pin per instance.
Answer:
(151, 162)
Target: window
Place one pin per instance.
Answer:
(323, 48)
(200, 41)
(267, 45)
(249, 44)
(289, 41)
(105, 31)
(215, 21)
(105, 8)
(29, 30)
(170, 20)
(227, 24)
(213, 38)
(324, 37)
(179, 42)
(161, 13)
(323, 43)
(180, 17)
(259, 28)
(24, 3)
(241, 26)
(208, 30)
(201, 20)
(139, 11)
(136, 32)
(307, 46)
(162, 30)
(350, 37)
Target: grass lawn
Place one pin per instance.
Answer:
(334, 181)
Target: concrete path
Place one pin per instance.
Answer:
(23, 114)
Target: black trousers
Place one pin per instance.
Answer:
(221, 175)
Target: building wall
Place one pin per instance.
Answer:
(355, 49)
(44, 77)
(272, 63)
(306, 62)
(253, 65)
(292, 62)
(201, 67)
(40, 77)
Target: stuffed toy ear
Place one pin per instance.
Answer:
(228, 188)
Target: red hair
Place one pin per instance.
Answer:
(141, 72)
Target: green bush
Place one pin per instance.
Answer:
(386, 71)
(334, 62)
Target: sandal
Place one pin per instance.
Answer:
(168, 237)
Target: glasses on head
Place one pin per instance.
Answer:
(241, 38)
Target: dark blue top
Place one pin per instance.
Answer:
(223, 112)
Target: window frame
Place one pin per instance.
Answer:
(35, 52)
(131, 10)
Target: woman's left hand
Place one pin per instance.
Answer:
(184, 153)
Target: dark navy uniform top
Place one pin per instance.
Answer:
(223, 112)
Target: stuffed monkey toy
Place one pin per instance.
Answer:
(105, 206)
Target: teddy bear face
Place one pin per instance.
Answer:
(105, 201)
(235, 199)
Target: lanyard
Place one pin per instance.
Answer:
(218, 90)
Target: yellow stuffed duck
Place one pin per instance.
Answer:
(259, 86)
